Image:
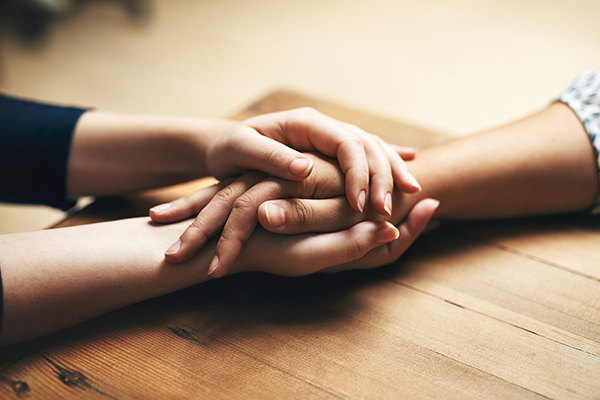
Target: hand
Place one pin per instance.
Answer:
(231, 206)
(269, 142)
(260, 144)
(251, 145)
(368, 244)
(234, 210)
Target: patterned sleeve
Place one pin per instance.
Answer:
(583, 96)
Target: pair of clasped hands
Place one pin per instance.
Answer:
(328, 195)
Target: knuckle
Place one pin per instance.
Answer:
(354, 129)
(376, 140)
(303, 215)
(353, 141)
(361, 174)
(275, 157)
(186, 203)
(228, 235)
(226, 193)
(243, 203)
(196, 230)
(196, 225)
(309, 111)
(384, 179)
(355, 250)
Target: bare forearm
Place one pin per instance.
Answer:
(542, 164)
(114, 153)
(54, 279)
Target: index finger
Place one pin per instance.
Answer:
(243, 217)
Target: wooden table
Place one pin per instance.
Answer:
(502, 310)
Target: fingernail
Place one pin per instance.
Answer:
(301, 166)
(387, 234)
(437, 203)
(413, 181)
(275, 215)
(388, 203)
(174, 248)
(361, 200)
(213, 265)
(160, 208)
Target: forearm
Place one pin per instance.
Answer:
(56, 278)
(542, 164)
(114, 153)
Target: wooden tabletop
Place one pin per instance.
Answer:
(506, 310)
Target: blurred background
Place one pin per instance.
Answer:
(454, 66)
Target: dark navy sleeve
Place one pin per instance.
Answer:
(35, 140)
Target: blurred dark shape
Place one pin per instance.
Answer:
(31, 20)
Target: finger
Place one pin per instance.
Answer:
(349, 149)
(410, 229)
(241, 223)
(309, 253)
(407, 153)
(327, 181)
(249, 150)
(187, 206)
(402, 177)
(382, 181)
(211, 219)
(386, 167)
(292, 216)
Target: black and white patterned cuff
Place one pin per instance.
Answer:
(583, 96)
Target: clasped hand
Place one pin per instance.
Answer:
(313, 186)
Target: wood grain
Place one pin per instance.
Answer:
(499, 310)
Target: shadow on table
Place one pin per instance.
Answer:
(250, 304)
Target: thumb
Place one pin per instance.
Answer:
(249, 150)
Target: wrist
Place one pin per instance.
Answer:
(116, 153)
(186, 141)
(404, 202)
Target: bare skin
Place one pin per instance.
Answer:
(541, 164)
(55, 278)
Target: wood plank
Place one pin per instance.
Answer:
(503, 350)
(285, 331)
(519, 284)
(551, 240)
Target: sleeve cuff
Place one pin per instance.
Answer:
(583, 96)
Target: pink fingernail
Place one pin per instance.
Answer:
(213, 265)
(160, 208)
(361, 200)
(387, 234)
(174, 248)
(414, 182)
(388, 203)
(275, 215)
(301, 166)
